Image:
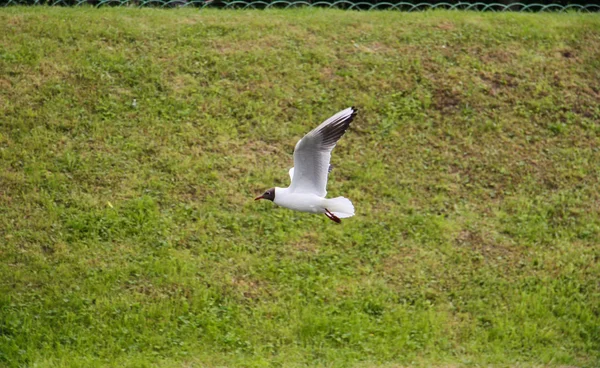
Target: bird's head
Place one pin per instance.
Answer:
(269, 194)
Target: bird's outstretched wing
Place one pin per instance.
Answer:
(313, 152)
(291, 171)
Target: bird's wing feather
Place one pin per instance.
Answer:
(291, 171)
(313, 152)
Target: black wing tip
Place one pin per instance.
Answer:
(354, 112)
(332, 132)
(352, 115)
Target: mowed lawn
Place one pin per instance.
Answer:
(133, 141)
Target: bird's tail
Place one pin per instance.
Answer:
(340, 206)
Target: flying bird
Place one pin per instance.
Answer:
(311, 168)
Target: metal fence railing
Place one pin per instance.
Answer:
(339, 4)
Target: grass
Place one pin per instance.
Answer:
(132, 142)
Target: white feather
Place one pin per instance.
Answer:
(312, 155)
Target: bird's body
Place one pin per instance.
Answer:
(311, 169)
(303, 202)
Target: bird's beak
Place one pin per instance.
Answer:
(259, 197)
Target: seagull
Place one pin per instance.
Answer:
(311, 168)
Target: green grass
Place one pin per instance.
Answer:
(129, 233)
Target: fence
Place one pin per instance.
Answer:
(340, 4)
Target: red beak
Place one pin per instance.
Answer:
(259, 197)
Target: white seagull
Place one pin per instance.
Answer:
(311, 168)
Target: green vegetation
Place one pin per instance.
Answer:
(132, 143)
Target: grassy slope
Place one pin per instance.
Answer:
(129, 233)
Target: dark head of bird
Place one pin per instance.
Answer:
(269, 194)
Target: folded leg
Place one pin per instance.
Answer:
(332, 217)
